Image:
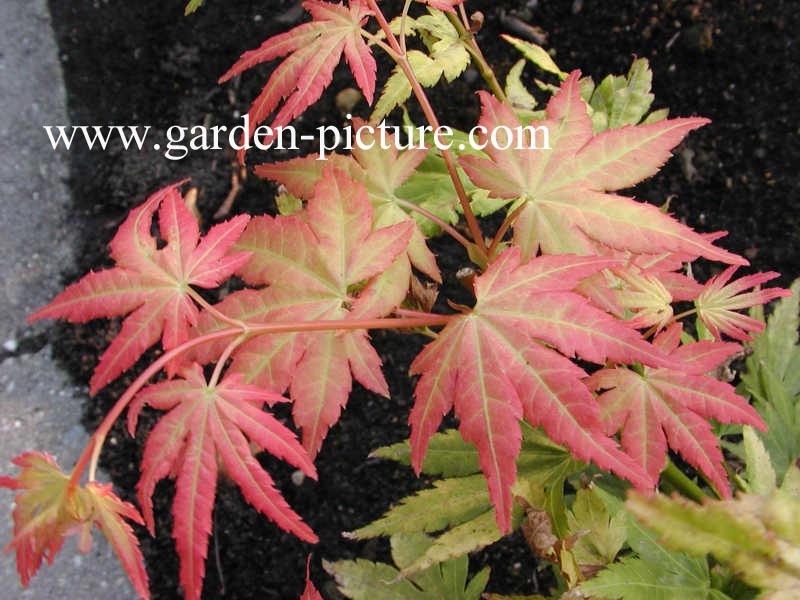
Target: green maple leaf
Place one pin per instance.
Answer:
(366, 580)
(655, 574)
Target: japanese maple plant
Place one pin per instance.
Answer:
(571, 331)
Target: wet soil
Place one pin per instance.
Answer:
(143, 63)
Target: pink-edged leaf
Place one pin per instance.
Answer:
(670, 406)
(314, 49)
(381, 170)
(320, 387)
(491, 365)
(312, 261)
(110, 514)
(48, 508)
(718, 302)
(193, 505)
(207, 426)
(566, 186)
(150, 284)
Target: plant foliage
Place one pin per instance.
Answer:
(568, 369)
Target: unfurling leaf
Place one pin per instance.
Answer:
(47, 510)
(718, 302)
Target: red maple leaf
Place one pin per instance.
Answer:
(381, 168)
(669, 407)
(324, 263)
(448, 5)
(149, 284)
(719, 300)
(509, 358)
(310, 592)
(207, 426)
(564, 190)
(315, 48)
(47, 510)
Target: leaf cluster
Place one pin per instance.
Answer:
(571, 356)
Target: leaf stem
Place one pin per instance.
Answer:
(226, 354)
(444, 225)
(682, 483)
(205, 305)
(91, 452)
(378, 42)
(686, 313)
(471, 45)
(433, 121)
(403, 19)
(509, 221)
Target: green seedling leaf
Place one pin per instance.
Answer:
(192, 6)
(536, 54)
(462, 501)
(366, 580)
(772, 377)
(758, 537)
(655, 574)
(759, 472)
(600, 536)
(624, 100)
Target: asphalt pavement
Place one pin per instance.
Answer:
(39, 408)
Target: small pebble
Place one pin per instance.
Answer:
(298, 477)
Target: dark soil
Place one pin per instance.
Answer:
(143, 63)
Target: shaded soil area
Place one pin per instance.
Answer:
(143, 63)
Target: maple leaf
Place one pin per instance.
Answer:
(380, 168)
(207, 426)
(108, 513)
(365, 580)
(755, 536)
(495, 365)
(448, 5)
(315, 49)
(447, 57)
(719, 300)
(47, 510)
(565, 189)
(324, 263)
(665, 406)
(150, 285)
(310, 592)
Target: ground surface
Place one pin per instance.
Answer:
(39, 406)
(143, 63)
